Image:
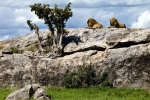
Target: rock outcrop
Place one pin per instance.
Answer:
(123, 53)
(27, 92)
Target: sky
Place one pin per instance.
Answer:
(15, 13)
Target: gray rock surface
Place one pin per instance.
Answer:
(21, 94)
(27, 92)
(40, 94)
(7, 50)
(1, 54)
(123, 53)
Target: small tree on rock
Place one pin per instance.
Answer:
(55, 18)
(36, 28)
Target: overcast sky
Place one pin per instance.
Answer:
(15, 13)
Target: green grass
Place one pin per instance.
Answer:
(98, 94)
(93, 93)
(4, 92)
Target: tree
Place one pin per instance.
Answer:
(36, 28)
(55, 18)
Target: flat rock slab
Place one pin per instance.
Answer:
(124, 53)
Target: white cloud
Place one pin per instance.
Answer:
(14, 13)
(143, 21)
(133, 2)
(22, 15)
(20, 19)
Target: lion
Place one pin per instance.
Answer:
(115, 24)
(93, 24)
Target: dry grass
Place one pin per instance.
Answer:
(1, 46)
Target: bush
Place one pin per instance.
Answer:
(107, 83)
(32, 48)
(104, 81)
(47, 49)
(14, 49)
(85, 77)
(72, 80)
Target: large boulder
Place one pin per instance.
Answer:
(21, 94)
(27, 92)
(123, 53)
(40, 94)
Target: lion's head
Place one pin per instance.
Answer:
(92, 23)
(115, 24)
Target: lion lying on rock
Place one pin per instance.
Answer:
(93, 24)
(115, 24)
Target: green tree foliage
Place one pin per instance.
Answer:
(30, 25)
(54, 18)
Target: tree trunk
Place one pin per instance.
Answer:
(60, 41)
(37, 33)
(53, 35)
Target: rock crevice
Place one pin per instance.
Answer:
(123, 53)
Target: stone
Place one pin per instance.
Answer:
(40, 94)
(7, 50)
(122, 52)
(1, 54)
(35, 87)
(27, 92)
(21, 94)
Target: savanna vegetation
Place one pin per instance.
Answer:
(84, 84)
(86, 77)
(98, 93)
(91, 93)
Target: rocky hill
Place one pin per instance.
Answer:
(123, 53)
